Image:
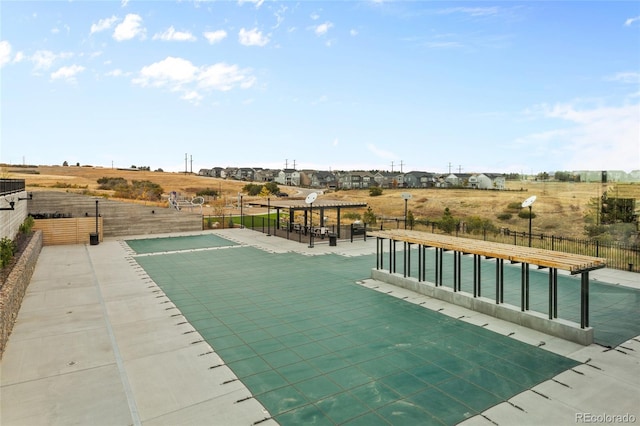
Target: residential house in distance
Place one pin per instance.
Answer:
(490, 181)
(417, 179)
(356, 180)
(266, 175)
(320, 179)
(288, 177)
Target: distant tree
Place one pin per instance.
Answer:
(272, 187)
(448, 223)
(65, 164)
(542, 176)
(252, 189)
(375, 191)
(369, 217)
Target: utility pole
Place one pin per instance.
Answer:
(191, 167)
(459, 168)
(286, 163)
(294, 164)
(392, 167)
(185, 163)
(449, 167)
(401, 164)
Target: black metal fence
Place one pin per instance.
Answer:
(290, 231)
(11, 186)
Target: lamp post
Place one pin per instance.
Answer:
(241, 215)
(406, 197)
(309, 200)
(268, 217)
(529, 203)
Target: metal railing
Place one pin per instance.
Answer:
(11, 186)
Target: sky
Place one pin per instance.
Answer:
(437, 86)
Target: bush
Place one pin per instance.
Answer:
(7, 250)
(505, 216)
(525, 214)
(111, 184)
(375, 191)
(478, 224)
(515, 206)
(27, 225)
(352, 215)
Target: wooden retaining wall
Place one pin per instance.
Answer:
(120, 218)
(68, 230)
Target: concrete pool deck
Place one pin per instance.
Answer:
(95, 343)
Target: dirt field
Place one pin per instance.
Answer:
(559, 208)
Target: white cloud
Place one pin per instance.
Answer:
(322, 28)
(172, 35)
(224, 77)
(314, 16)
(67, 73)
(381, 153)
(353, 32)
(103, 24)
(471, 11)
(192, 96)
(5, 52)
(252, 37)
(172, 72)
(129, 28)
(257, 3)
(335, 142)
(626, 77)
(44, 59)
(178, 74)
(124, 3)
(115, 73)
(215, 36)
(594, 138)
(630, 21)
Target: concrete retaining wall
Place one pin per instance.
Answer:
(564, 329)
(14, 288)
(119, 218)
(10, 220)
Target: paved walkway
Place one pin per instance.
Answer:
(96, 343)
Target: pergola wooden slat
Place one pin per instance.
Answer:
(574, 263)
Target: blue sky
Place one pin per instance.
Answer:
(469, 86)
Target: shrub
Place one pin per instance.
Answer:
(524, 214)
(7, 250)
(504, 216)
(109, 183)
(27, 225)
(514, 206)
(352, 215)
(375, 191)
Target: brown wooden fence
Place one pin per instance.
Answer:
(68, 230)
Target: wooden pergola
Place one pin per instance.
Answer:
(300, 205)
(574, 263)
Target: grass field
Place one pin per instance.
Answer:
(559, 209)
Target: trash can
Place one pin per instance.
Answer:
(93, 239)
(333, 239)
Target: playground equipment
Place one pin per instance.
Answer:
(179, 203)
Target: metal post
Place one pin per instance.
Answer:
(310, 225)
(97, 232)
(241, 214)
(529, 226)
(405, 212)
(268, 217)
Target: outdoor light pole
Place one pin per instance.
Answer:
(97, 233)
(241, 215)
(268, 217)
(529, 203)
(406, 196)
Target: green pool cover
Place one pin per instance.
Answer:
(314, 347)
